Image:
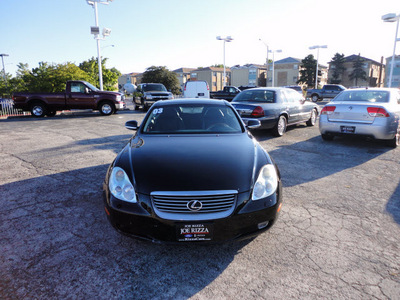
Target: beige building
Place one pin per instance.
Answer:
(375, 73)
(134, 78)
(213, 76)
(248, 75)
(183, 75)
(287, 72)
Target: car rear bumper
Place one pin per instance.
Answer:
(383, 129)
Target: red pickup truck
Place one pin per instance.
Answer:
(77, 95)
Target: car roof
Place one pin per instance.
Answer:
(200, 101)
(376, 89)
(269, 89)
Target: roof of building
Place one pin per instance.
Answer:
(288, 60)
(248, 66)
(183, 70)
(215, 69)
(354, 57)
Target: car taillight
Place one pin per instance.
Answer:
(328, 110)
(258, 112)
(377, 112)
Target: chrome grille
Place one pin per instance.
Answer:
(194, 205)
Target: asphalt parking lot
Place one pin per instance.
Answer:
(338, 235)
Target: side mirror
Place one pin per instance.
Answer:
(87, 90)
(131, 125)
(253, 124)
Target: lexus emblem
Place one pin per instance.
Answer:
(350, 107)
(194, 205)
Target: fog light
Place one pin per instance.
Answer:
(262, 225)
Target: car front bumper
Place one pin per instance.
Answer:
(249, 219)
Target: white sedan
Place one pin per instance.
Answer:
(370, 112)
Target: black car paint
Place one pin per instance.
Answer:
(190, 163)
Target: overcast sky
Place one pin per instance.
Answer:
(177, 33)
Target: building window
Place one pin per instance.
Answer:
(294, 79)
(295, 67)
(194, 75)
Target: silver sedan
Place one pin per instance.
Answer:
(370, 112)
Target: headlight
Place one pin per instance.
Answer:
(119, 98)
(266, 183)
(120, 186)
(149, 97)
(171, 96)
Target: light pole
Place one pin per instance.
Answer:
(4, 69)
(392, 18)
(273, 64)
(266, 73)
(316, 74)
(96, 32)
(225, 39)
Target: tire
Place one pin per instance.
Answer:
(395, 141)
(38, 109)
(280, 127)
(313, 118)
(106, 108)
(327, 137)
(51, 113)
(314, 98)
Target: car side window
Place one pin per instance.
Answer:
(77, 87)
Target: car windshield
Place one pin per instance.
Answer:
(154, 87)
(91, 86)
(264, 96)
(192, 118)
(363, 96)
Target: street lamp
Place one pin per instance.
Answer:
(273, 64)
(392, 18)
(4, 69)
(266, 74)
(95, 30)
(225, 39)
(317, 47)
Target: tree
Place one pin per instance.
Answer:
(47, 78)
(358, 70)
(337, 65)
(162, 75)
(307, 72)
(110, 76)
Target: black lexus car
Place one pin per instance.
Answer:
(192, 173)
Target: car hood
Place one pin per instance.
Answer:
(192, 163)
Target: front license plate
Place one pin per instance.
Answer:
(200, 94)
(347, 129)
(194, 232)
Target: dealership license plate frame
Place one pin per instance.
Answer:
(347, 129)
(199, 232)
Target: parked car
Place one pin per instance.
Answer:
(78, 95)
(196, 89)
(328, 91)
(276, 108)
(149, 94)
(228, 93)
(192, 173)
(370, 112)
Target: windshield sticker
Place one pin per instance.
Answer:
(157, 111)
